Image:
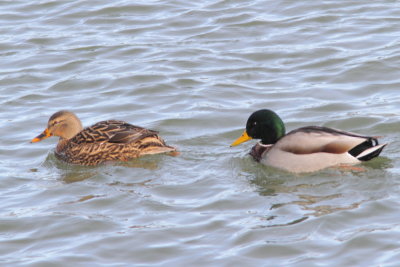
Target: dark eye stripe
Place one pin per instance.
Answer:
(54, 123)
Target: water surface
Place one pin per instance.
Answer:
(195, 72)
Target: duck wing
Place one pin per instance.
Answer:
(314, 139)
(112, 131)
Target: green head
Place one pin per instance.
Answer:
(263, 124)
(266, 125)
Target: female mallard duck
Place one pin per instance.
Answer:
(306, 149)
(104, 141)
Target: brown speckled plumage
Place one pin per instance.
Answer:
(109, 140)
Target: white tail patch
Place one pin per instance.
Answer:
(370, 150)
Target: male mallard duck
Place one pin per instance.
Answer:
(306, 149)
(104, 141)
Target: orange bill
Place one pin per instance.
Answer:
(41, 136)
(243, 138)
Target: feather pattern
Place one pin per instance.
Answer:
(306, 149)
(108, 140)
(313, 148)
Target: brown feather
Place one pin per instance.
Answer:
(104, 141)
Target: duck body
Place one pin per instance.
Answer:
(110, 140)
(306, 149)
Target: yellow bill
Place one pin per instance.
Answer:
(243, 138)
(41, 136)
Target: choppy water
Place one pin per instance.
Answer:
(195, 71)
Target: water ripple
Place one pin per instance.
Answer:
(194, 71)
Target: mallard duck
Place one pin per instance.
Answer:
(104, 141)
(306, 149)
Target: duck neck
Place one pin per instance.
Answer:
(271, 139)
(273, 134)
(62, 143)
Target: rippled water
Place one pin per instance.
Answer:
(195, 71)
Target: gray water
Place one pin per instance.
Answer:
(195, 71)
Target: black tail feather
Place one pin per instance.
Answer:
(357, 150)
